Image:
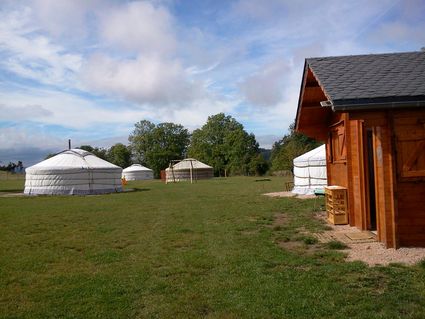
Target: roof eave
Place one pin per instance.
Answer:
(297, 116)
(373, 106)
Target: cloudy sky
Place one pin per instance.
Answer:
(88, 70)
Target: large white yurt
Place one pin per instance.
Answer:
(310, 171)
(73, 172)
(137, 172)
(187, 170)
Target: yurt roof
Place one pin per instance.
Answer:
(315, 157)
(188, 163)
(72, 159)
(136, 168)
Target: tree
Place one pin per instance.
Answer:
(290, 146)
(98, 151)
(120, 155)
(50, 155)
(140, 140)
(224, 144)
(156, 145)
(258, 165)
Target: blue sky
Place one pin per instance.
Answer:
(88, 70)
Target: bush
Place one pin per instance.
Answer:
(309, 240)
(335, 244)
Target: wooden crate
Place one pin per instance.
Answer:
(336, 204)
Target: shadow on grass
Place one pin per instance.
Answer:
(12, 190)
(136, 189)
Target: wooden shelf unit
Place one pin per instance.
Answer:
(336, 204)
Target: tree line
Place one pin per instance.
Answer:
(221, 142)
(12, 167)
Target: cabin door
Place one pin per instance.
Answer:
(370, 180)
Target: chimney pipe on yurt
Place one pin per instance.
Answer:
(69, 144)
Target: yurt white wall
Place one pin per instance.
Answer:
(187, 169)
(137, 172)
(310, 171)
(73, 172)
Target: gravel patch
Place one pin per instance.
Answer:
(289, 194)
(9, 194)
(369, 250)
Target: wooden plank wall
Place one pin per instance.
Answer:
(410, 126)
(337, 172)
(384, 174)
(356, 176)
(384, 186)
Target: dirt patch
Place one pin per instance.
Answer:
(280, 219)
(366, 248)
(6, 194)
(249, 232)
(289, 194)
(291, 245)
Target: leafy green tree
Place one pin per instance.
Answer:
(258, 165)
(120, 155)
(224, 144)
(141, 140)
(156, 145)
(290, 146)
(98, 151)
(9, 167)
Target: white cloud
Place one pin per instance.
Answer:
(18, 137)
(147, 79)
(140, 27)
(72, 111)
(32, 55)
(29, 112)
(93, 117)
(267, 141)
(265, 87)
(62, 17)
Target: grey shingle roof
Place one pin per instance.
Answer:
(371, 79)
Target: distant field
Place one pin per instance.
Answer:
(209, 250)
(6, 176)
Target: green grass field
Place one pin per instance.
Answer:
(208, 250)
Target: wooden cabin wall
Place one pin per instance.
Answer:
(409, 127)
(384, 186)
(336, 167)
(378, 122)
(356, 178)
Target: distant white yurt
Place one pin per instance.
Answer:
(187, 170)
(73, 172)
(310, 171)
(137, 172)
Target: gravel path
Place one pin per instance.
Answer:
(369, 250)
(289, 194)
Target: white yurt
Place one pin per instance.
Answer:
(310, 171)
(73, 172)
(137, 172)
(187, 170)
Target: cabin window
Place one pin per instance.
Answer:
(337, 150)
(411, 148)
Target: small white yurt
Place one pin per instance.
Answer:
(187, 170)
(310, 171)
(137, 172)
(73, 172)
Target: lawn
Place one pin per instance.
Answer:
(214, 249)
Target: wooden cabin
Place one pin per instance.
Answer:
(370, 111)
